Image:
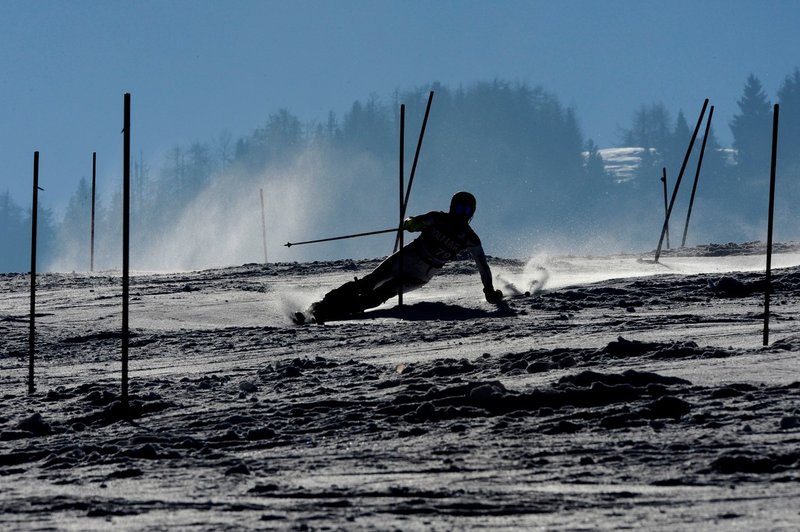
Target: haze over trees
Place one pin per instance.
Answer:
(538, 180)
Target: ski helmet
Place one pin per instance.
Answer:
(463, 204)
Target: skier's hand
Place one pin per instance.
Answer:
(413, 224)
(493, 296)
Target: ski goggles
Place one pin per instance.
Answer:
(463, 210)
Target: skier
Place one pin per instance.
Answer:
(443, 236)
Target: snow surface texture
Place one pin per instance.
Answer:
(620, 394)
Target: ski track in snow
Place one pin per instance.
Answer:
(620, 394)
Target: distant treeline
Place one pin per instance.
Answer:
(515, 146)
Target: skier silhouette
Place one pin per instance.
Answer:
(443, 236)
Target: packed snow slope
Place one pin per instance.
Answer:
(619, 393)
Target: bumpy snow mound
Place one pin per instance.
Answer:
(595, 397)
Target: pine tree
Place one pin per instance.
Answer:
(650, 130)
(751, 130)
(789, 126)
(74, 230)
(13, 240)
(715, 163)
(789, 140)
(679, 140)
(594, 165)
(597, 180)
(223, 149)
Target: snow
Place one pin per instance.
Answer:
(622, 393)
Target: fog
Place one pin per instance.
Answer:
(222, 226)
(312, 199)
(542, 188)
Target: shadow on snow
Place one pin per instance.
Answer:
(437, 310)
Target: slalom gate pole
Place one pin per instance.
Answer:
(680, 177)
(416, 159)
(94, 187)
(697, 175)
(356, 235)
(263, 226)
(400, 229)
(126, 226)
(34, 224)
(768, 287)
(664, 180)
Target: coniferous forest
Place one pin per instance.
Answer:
(541, 184)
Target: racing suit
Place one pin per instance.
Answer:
(443, 237)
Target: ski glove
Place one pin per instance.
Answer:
(413, 224)
(493, 296)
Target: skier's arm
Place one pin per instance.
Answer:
(417, 223)
(492, 295)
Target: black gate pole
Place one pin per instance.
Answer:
(664, 180)
(34, 224)
(680, 177)
(402, 206)
(416, 159)
(768, 287)
(126, 229)
(94, 188)
(697, 175)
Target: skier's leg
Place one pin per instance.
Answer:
(353, 296)
(390, 275)
(389, 289)
(374, 288)
(339, 302)
(385, 271)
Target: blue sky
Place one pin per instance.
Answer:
(196, 68)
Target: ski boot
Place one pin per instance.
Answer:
(340, 303)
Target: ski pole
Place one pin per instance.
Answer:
(392, 230)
